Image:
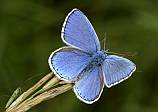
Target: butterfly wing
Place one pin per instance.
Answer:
(89, 88)
(78, 32)
(117, 69)
(68, 62)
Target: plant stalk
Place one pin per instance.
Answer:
(27, 105)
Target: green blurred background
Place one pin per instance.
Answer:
(30, 31)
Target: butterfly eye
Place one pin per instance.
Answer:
(99, 64)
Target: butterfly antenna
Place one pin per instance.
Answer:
(105, 39)
(123, 54)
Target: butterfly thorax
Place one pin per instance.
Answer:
(96, 60)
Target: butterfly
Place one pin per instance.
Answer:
(84, 63)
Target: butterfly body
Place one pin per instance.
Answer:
(83, 62)
(96, 60)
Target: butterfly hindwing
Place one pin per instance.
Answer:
(68, 62)
(89, 88)
(78, 32)
(117, 69)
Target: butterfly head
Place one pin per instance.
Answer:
(100, 56)
(104, 52)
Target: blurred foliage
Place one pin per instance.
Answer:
(30, 31)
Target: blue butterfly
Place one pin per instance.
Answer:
(84, 63)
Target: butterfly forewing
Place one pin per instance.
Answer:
(78, 32)
(68, 62)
